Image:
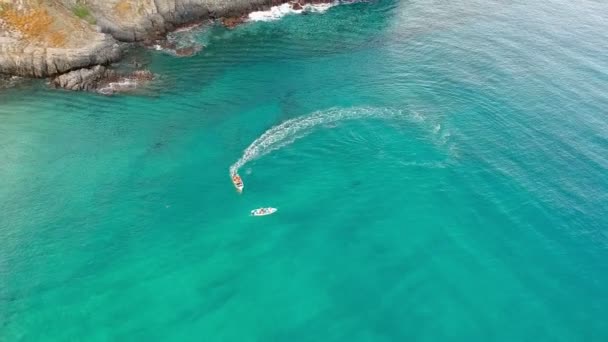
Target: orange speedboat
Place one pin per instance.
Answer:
(238, 182)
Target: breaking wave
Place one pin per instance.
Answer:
(278, 12)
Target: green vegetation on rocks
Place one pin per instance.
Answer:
(82, 12)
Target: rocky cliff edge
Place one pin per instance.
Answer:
(42, 38)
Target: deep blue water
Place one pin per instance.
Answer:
(441, 175)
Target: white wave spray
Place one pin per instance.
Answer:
(278, 12)
(289, 131)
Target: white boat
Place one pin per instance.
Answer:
(238, 182)
(263, 211)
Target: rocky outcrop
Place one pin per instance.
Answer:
(30, 60)
(44, 38)
(83, 79)
(102, 80)
(138, 20)
(75, 38)
(82, 33)
(185, 51)
(232, 22)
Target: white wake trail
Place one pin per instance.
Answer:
(291, 130)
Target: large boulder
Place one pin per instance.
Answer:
(102, 80)
(39, 39)
(83, 79)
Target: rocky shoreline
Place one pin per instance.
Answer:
(74, 42)
(102, 79)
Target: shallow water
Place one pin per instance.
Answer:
(468, 203)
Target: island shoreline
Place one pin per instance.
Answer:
(87, 66)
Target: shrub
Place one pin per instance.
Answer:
(82, 12)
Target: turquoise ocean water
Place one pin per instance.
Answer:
(444, 177)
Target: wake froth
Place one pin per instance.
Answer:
(291, 130)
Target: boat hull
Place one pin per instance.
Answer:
(263, 211)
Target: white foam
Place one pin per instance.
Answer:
(291, 130)
(188, 28)
(278, 12)
(121, 85)
(437, 128)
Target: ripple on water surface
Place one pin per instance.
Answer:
(439, 169)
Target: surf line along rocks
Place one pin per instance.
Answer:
(300, 6)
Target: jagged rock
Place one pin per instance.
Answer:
(101, 79)
(87, 44)
(125, 82)
(157, 17)
(142, 75)
(185, 51)
(232, 22)
(83, 79)
(33, 61)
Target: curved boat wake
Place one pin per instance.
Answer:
(291, 130)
